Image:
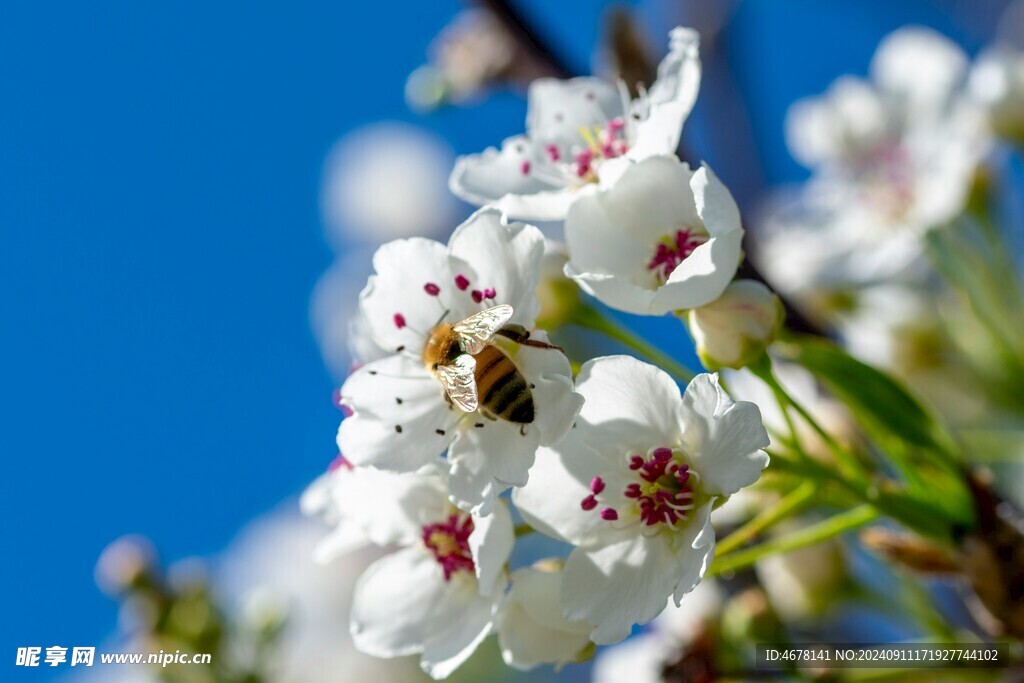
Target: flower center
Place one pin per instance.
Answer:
(448, 541)
(662, 493)
(888, 178)
(580, 163)
(602, 143)
(673, 250)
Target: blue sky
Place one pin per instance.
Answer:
(159, 170)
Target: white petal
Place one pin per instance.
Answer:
(702, 277)
(671, 97)
(556, 404)
(505, 257)
(389, 508)
(629, 581)
(449, 647)
(487, 460)
(497, 177)
(342, 540)
(615, 230)
(559, 481)
(630, 406)
(920, 65)
(652, 199)
(531, 627)
(400, 600)
(848, 119)
(679, 71)
(557, 109)
(491, 543)
(614, 291)
(723, 439)
(715, 204)
(398, 409)
(597, 244)
(403, 267)
(618, 585)
(696, 548)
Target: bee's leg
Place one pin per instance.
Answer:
(522, 430)
(521, 335)
(488, 414)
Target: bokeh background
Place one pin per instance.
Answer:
(167, 208)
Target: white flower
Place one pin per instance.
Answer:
(735, 329)
(997, 84)
(892, 157)
(633, 486)
(436, 596)
(657, 238)
(574, 129)
(267, 574)
(531, 627)
(367, 169)
(643, 658)
(402, 417)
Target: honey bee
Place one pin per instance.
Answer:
(475, 373)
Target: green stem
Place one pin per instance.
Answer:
(789, 505)
(815, 533)
(927, 518)
(763, 370)
(592, 319)
(523, 530)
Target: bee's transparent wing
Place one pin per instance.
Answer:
(460, 384)
(475, 331)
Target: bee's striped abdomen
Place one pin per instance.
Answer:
(501, 387)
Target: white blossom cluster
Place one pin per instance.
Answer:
(892, 157)
(461, 398)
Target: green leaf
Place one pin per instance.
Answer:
(876, 399)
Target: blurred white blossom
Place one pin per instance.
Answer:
(338, 325)
(387, 180)
(997, 84)
(269, 569)
(892, 157)
(803, 583)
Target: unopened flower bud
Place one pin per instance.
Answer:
(734, 330)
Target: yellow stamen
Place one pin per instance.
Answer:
(589, 138)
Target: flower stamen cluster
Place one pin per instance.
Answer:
(664, 495)
(673, 250)
(448, 541)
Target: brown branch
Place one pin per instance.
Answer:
(526, 34)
